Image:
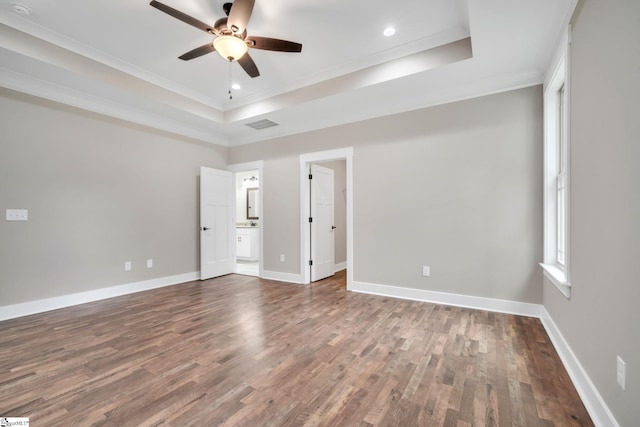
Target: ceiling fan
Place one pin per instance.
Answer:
(231, 40)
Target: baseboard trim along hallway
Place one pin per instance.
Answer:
(282, 277)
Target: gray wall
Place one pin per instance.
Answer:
(457, 187)
(601, 320)
(281, 208)
(99, 192)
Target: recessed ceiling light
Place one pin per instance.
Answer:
(235, 86)
(389, 31)
(20, 8)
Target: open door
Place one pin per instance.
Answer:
(322, 225)
(216, 223)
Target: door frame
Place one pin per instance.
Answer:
(305, 199)
(243, 167)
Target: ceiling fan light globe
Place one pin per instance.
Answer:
(230, 47)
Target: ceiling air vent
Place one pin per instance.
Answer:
(262, 124)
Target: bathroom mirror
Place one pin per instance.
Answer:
(253, 201)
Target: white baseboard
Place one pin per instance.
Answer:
(54, 303)
(282, 277)
(597, 408)
(339, 266)
(458, 300)
(593, 402)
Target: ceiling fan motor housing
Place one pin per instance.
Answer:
(221, 29)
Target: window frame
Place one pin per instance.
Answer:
(556, 260)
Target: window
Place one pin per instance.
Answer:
(556, 172)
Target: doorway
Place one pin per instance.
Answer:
(248, 184)
(306, 160)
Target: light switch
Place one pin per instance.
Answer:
(17, 215)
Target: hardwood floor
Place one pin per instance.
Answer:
(239, 350)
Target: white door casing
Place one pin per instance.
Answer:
(217, 231)
(322, 222)
(305, 160)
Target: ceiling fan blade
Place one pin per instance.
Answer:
(267, 43)
(239, 15)
(182, 16)
(197, 52)
(247, 64)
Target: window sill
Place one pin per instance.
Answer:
(558, 278)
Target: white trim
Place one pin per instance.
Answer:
(53, 40)
(249, 166)
(557, 76)
(54, 303)
(558, 278)
(339, 266)
(458, 300)
(99, 105)
(305, 160)
(479, 88)
(282, 277)
(592, 400)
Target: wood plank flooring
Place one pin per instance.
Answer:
(241, 351)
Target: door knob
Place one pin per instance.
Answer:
(205, 228)
(333, 227)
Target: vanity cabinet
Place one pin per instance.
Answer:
(247, 243)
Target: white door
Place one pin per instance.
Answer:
(217, 229)
(322, 226)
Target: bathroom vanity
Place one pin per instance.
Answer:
(247, 243)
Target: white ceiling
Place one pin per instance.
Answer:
(120, 58)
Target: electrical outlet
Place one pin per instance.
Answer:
(426, 270)
(149, 263)
(281, 257)
(127, 266)
(621, 373)
(17, 215)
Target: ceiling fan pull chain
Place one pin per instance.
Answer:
(230, 96)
